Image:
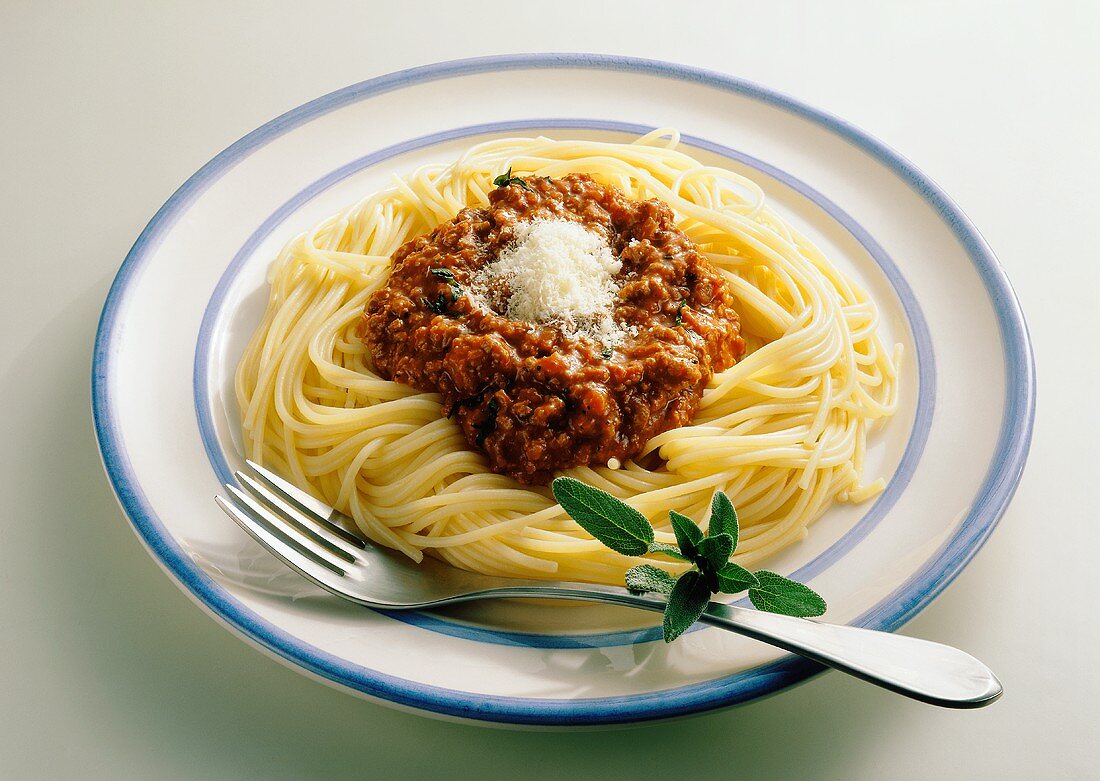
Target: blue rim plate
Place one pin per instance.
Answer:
(1009, 439)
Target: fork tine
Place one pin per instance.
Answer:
(305, 523)
(287, 532)
(311, 506)
(323, 575)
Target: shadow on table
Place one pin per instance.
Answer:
(138, 657)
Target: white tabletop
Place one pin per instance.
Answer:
(110, 671)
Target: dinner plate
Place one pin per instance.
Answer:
(193, 287)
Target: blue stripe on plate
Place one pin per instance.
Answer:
(209, 328)
(996, 491)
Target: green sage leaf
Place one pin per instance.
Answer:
(666, 550)
(777, 594)
(686, 603)
(716, 550)
(688, 534)
(723, 518)
(733, 578)
(611, 521)
(645, 578)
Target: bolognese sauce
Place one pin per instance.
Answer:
(540, 395)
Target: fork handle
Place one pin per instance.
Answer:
(924, 670)
(921, 669)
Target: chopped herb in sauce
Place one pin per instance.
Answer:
(489, 425)
(443, 273)
(506, 179)
(448, 276)
(680, 313)
(439, 306)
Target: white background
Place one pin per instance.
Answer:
(109, 671)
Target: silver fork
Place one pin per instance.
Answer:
(313, 539)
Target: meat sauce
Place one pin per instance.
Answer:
(530, 396)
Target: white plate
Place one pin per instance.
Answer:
(192, 289)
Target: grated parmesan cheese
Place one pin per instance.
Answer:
(558, 273)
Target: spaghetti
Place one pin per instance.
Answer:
(783, 432)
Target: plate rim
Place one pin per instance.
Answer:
(995, 492)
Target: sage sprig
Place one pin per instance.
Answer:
(625, 530)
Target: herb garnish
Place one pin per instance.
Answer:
(625, 530)
(448, 276)
(680, 313)
(489, 425)
(606, 353)
(506, 179)
(439, 306)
